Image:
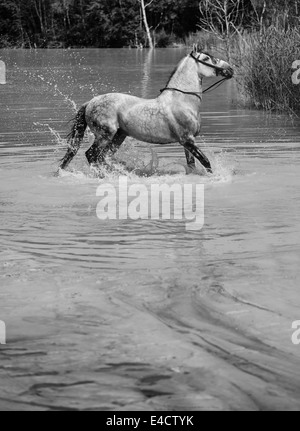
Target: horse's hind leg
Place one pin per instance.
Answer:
(96, 154)
(117, 141)
(101, 147)
(75, 137)
(191, 162)
(190, 146)
(71, 153)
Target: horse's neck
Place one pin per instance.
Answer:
(186, 77)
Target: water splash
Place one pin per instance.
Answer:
(51, 83)
(67, 98)
(224, 168)
(139, 161)
(57, 139)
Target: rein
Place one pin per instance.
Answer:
(199, 95)
(216, 84)
(191, 93)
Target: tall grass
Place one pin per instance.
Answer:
(265, 69)
(263, 62)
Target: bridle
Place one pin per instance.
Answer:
(199, 95)
(213, 66)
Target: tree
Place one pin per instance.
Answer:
(281, 13)
(259, 7)
(145, 20)
(117, 23)
(174, 19)
(223, 18)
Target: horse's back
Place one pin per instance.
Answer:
(104, 110)
(110, 102)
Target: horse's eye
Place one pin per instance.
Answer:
(206, 59)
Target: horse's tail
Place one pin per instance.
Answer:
(75, 136)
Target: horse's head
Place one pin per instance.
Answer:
(210, 66)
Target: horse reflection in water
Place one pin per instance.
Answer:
(174, 116)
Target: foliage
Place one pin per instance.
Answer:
(118, 23)
(262, 39)
(91, 23)
(265, 76)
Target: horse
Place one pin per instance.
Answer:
(173, 116)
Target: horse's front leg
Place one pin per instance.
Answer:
(194, 152)
(191, 162)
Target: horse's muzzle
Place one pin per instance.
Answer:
(227, 72)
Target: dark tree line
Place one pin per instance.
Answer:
(92, 23)
(118, 23)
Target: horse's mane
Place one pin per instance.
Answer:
(176, 68)
(172, 74)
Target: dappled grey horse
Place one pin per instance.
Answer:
(174, 116)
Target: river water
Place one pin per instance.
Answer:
(144, 314)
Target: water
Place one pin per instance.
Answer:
(144, 314)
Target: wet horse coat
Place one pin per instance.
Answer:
(174, 116)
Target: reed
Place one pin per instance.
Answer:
(265, 69)
(263, 62)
